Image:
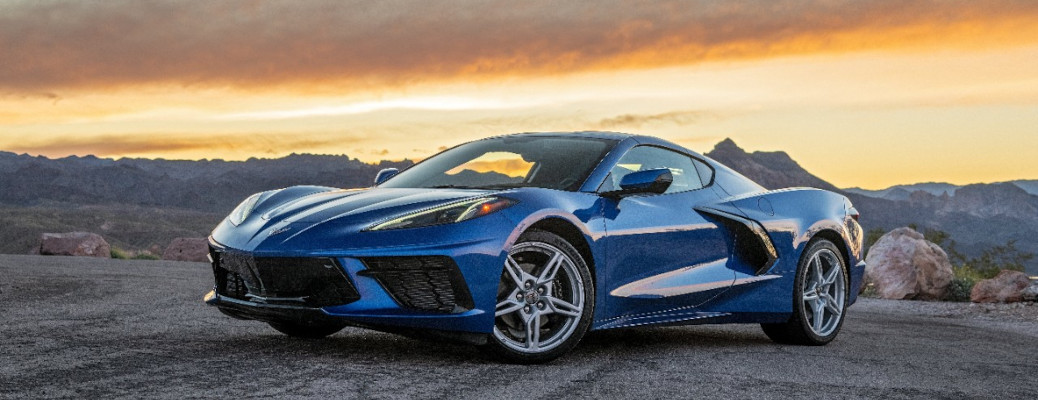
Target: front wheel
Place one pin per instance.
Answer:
(819, 298)
(545, 300)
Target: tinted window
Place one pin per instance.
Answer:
(686, 176)
(553, 162)
(706, 173)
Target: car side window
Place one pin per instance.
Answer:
(682, 167)
(706, 172)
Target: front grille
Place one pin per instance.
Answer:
(302, 281)
(427, 283)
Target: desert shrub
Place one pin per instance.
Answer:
(133, 255)
(992, 260)
(145, 256)
(936, 236)
(868, 290)
(959, 290)
(962, 283)
(119, 253)
(970, 270)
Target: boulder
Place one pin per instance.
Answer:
(904, 265)
(1007, 287)
(187, 249)
(1031, 293)
(74, 244)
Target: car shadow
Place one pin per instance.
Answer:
(359, 345)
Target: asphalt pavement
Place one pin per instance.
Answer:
(98, 328)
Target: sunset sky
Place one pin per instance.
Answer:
(865, 93)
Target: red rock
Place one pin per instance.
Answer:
(74, 244)
(187, 249)
(1007, 287)
(904, 265)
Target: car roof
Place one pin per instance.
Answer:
(618, 136)
(587, 134)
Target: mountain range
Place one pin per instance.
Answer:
(902, 192)
(142, 204)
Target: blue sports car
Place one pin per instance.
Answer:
(521, 244)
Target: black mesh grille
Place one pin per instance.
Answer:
(304, 281)
(431, 283)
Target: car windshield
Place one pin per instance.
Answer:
(553, 162)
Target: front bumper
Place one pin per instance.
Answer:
(380, 303)
(242, 309)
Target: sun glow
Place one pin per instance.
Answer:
(433, 103)
(861, 96)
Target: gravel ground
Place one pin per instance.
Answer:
(93, 328)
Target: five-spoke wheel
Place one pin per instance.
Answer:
(819, 298)
(824, 292)
(544, 302)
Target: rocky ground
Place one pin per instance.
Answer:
(76, 327)
(1019, 317)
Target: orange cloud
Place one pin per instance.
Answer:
(337, 46)
(679, 118)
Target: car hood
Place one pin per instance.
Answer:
(367, 205)
(305, 216)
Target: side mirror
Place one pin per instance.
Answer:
(384, 175)
(650, 181)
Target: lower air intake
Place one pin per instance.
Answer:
(301, 281)
(427, 283)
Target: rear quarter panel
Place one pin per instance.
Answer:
(792, 218)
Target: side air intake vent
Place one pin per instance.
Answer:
(752, 244)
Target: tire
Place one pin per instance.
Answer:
(545, 300)
(315, 331)
(820, 290)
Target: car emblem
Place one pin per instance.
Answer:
(531, 297)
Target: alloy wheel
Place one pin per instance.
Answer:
(823, 292)
(540, 298)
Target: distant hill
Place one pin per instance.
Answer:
(773, 170)
(207, 185)
(977, 216)
(142, 204)
(901, 192)
(1031, 186)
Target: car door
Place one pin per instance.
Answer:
(664, 258)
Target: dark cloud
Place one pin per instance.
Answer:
(48, 46)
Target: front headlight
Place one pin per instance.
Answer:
(243, 210)
(446, 214)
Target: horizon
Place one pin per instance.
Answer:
(376, 162)
(868, 94)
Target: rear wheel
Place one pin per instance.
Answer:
(819, 298)
(308, 331)
(545, 300)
